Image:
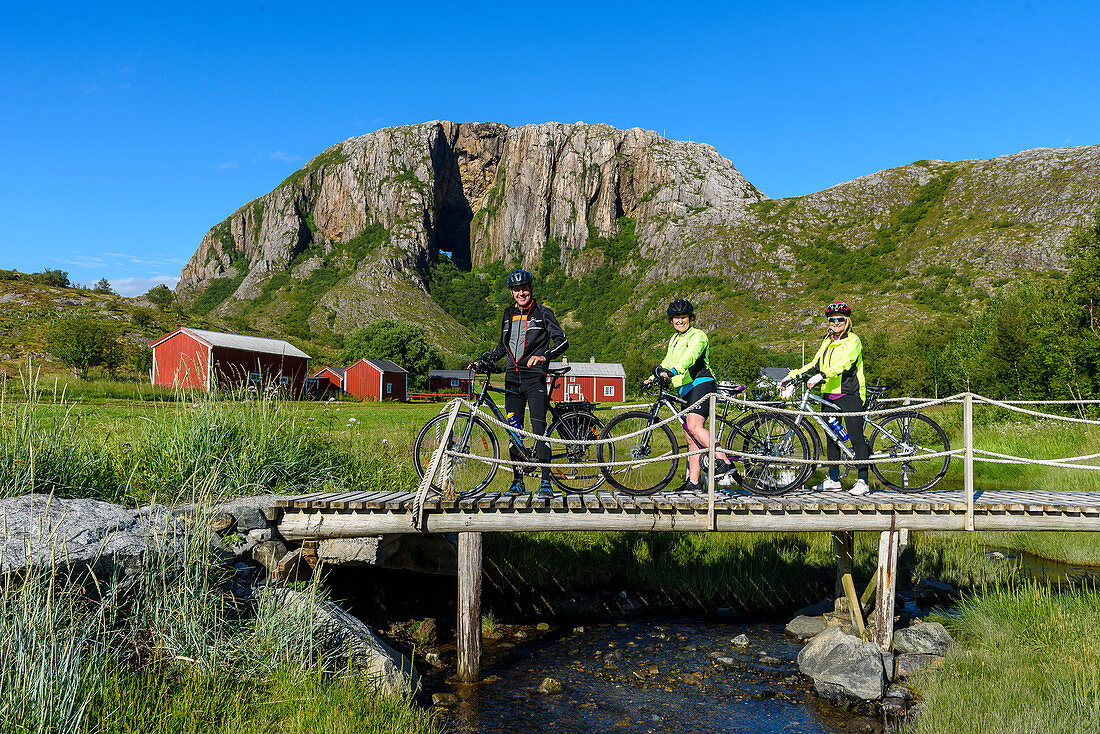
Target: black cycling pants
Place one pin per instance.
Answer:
(529, 390)
(854, 426)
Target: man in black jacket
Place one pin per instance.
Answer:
(526, 332)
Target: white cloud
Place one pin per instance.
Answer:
(80, 261)
(137, 286)
(227, 166)
(277, 155)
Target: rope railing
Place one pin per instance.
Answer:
(442, 457)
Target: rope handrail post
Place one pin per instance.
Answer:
(711, 518)
(968, 457)
(437, 459)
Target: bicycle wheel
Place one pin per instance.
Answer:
(639, 479)
(909, 435)
(468, 475)
(576, 426)
(770, 434)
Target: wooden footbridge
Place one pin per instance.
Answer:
(890, 513)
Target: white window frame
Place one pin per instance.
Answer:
(609, 391)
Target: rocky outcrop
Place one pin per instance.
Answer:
(361, 221)
(42, 530)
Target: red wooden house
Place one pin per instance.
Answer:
(200, 359)
(376, 379)
(598, 382)
(333, 376)
(456, 381)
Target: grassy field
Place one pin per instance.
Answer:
(122, 443)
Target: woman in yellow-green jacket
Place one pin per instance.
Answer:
(838, 367)
(687, 366)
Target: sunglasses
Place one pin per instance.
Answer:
(837, 319)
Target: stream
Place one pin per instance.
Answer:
(641, 676)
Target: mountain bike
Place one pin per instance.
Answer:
(569, 420)
(909, 434)
(766, 434)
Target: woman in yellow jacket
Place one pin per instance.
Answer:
(687, 366)
(838, 366)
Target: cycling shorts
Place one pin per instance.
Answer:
(700, 391)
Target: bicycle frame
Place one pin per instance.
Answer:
(848, 453)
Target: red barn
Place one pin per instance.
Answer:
(376, 379)
(455, 381)
(333, 376)
(598, 382)
(189, 357)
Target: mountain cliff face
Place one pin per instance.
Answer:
(349, 237)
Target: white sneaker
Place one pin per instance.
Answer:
(829, 485)
(860, 487)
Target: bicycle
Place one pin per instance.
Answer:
(569, 420)
(749, 434)
(904, 434)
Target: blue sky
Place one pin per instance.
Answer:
(128, 130)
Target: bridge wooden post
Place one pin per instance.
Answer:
(712, 523)
(844, 548)
(884, 594)
(968, 458)
(468, 631)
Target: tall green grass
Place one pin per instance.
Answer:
(178, 646)
(1029, 662)
(229, 446)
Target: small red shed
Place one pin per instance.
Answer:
(455, 381)
(189, 357)
(376, 379)
(334, 377)
(598, 382)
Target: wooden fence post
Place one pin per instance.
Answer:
(884, 597)
(968, 459)
(712, 521)
(468, 632)
(844, 544)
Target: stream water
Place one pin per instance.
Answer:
(648, 676)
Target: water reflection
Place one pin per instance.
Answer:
(645, 676)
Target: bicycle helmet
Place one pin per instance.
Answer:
(838, 307)
(680, 307)
(519, 277)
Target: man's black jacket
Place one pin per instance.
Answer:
(526, 333)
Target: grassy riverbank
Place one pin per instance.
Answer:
(182, 646)
(1028, 661)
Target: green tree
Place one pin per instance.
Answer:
(1082, 287)
(81, 341)
(160, 296)
(400, 342)
(739, 359)
(104, 286)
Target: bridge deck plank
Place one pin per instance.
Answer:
(670, 510)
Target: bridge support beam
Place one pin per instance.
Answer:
(844, 548)
(887, 580)
(468, 633)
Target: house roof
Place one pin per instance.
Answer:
(452, 374)
(240, 341)
(592, 369)
(382, 365)
(775, 373)
(334, 370)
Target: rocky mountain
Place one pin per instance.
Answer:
(353, 235)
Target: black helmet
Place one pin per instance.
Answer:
(519, 277)
(679, 307)
(838, 307)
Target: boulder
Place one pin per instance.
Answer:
(40, 529)
(843, 666)
(927, 638)
(348, 644)
(250, 513)
(549, 687)
(804, 627)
